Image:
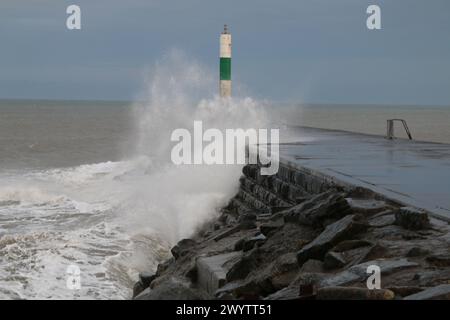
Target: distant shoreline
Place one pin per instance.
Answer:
(274, 103)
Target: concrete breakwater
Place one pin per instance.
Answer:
(303, 235)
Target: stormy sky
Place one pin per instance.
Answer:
(314, 51)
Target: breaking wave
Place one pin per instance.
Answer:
(115, 219)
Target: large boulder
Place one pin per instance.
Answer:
(277, 275)
(343, 229)
(245, 264)
(319, 209)
(348, 252)
(212, 271)
(183, 247)
(366, 206)
(248, 243)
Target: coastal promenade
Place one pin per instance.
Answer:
(413, 173)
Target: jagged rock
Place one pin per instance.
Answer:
(435, 293)
(417, 252)
(251, 242)
(146, 278)
(191, 273)
(238, 289)
(270, 227)
(439, 260)
(359, 272)
(138, 288)
(333, 233)
(395, 233)
(171, 289)
(163, 266)
(245, 264)
(278, 274)
(299, 288)
(353, 293)
(303, 287)
(366, 206)
(412, 218)
(382, 221)
(334, 260)
(322, 207)
(349, 252)
(312, 266)
(212, 270)
(226, 233)
(182, 247)
(248, 243)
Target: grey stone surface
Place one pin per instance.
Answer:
(289, 293)
(366, 205)
(312, 265)
(325, 206)
(212, 271)
(269, 227)
(382, 221)
(412, 219)
(435, 293)
(182, 247)
(334, 260)
(138, 288)
(359, 272)
(146, 278)
(333, 233)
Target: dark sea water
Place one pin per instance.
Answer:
(47, 134)
(427, 123)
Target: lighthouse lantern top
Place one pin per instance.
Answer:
(225, 29)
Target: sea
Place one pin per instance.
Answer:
(87, 184)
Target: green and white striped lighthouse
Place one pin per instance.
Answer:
(225, 63)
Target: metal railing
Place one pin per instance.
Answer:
(390, 128)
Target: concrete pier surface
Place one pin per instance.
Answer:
(413, 173)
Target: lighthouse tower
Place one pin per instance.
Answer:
(225, 63)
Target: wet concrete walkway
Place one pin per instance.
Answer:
(412, 172)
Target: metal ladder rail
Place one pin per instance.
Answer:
(390, 128)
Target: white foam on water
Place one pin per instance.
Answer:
(115, 219)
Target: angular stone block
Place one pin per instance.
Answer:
(212, 271)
